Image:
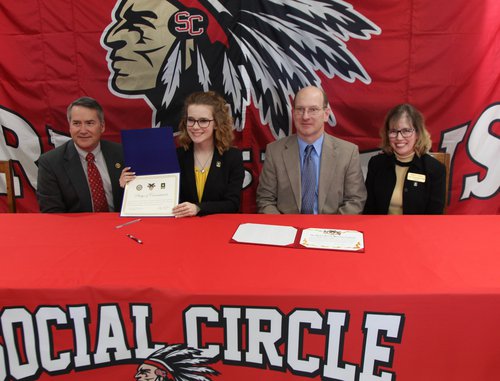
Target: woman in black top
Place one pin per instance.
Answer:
(211, 169)
(405, 179)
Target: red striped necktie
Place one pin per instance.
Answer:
(96, 187)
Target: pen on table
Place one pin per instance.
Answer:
(134, 238)
(127, 223)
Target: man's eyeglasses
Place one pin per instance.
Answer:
(405, 133)
(202, 122)
(313, 111)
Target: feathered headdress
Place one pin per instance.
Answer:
(181, 363)
(267, 50)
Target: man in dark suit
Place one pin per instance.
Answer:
(337, 180)
(83, 174)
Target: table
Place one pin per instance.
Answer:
(80, 300)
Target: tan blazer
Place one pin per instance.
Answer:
(341, 184)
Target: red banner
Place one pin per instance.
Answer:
(140, 58)
(81, 300)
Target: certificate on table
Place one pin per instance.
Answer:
(261, 234)
(151, 154)
(151, 196)
(332, 239)
(309, 238)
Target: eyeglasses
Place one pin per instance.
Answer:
(202, 122)
(405, 133)
(313, 111)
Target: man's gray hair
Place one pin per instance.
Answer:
(87, 102)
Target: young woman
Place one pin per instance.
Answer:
(212, 171)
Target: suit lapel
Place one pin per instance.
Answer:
(291, 160)
(74, 170)
(327, 171)
(114, 165)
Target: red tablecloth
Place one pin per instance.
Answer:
(421, 303)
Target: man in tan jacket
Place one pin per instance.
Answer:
(339, 185)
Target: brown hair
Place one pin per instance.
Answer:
(416, 119)
(223, 131)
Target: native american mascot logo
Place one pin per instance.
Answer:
(251, 51)
(175, 363)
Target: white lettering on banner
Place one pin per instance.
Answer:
(193, 317)
(57, 138)
(3, 365)
(376, 327)
(297, 321)
(14, 321)
(337, 322)
(46, 317)
(232, 317)
(30, 340)
(27, 147)
(111, 336)
(265, 335)
(451, 138)
(247, 158)
(141, 315)
(484, 148)
(36, 343)
(79, 317)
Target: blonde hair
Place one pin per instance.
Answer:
(223, 130)
(416, 119)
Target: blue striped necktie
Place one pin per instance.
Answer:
(308, 182)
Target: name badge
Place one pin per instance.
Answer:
(416, 177)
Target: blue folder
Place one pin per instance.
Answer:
(150, 151)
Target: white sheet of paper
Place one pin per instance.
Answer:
(151, 196)
(332, 239)
(265, 234)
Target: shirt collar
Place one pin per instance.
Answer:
(83, 154)
(317, 144)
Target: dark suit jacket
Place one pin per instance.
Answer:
(222, 190)
(62, 186)
(418, 197)
(341, 184)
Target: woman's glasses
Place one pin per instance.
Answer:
(202, 122)
(405, 133)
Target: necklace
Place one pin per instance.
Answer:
(202, 167)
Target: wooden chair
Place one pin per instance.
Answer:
(6, 167)
(444, 158)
